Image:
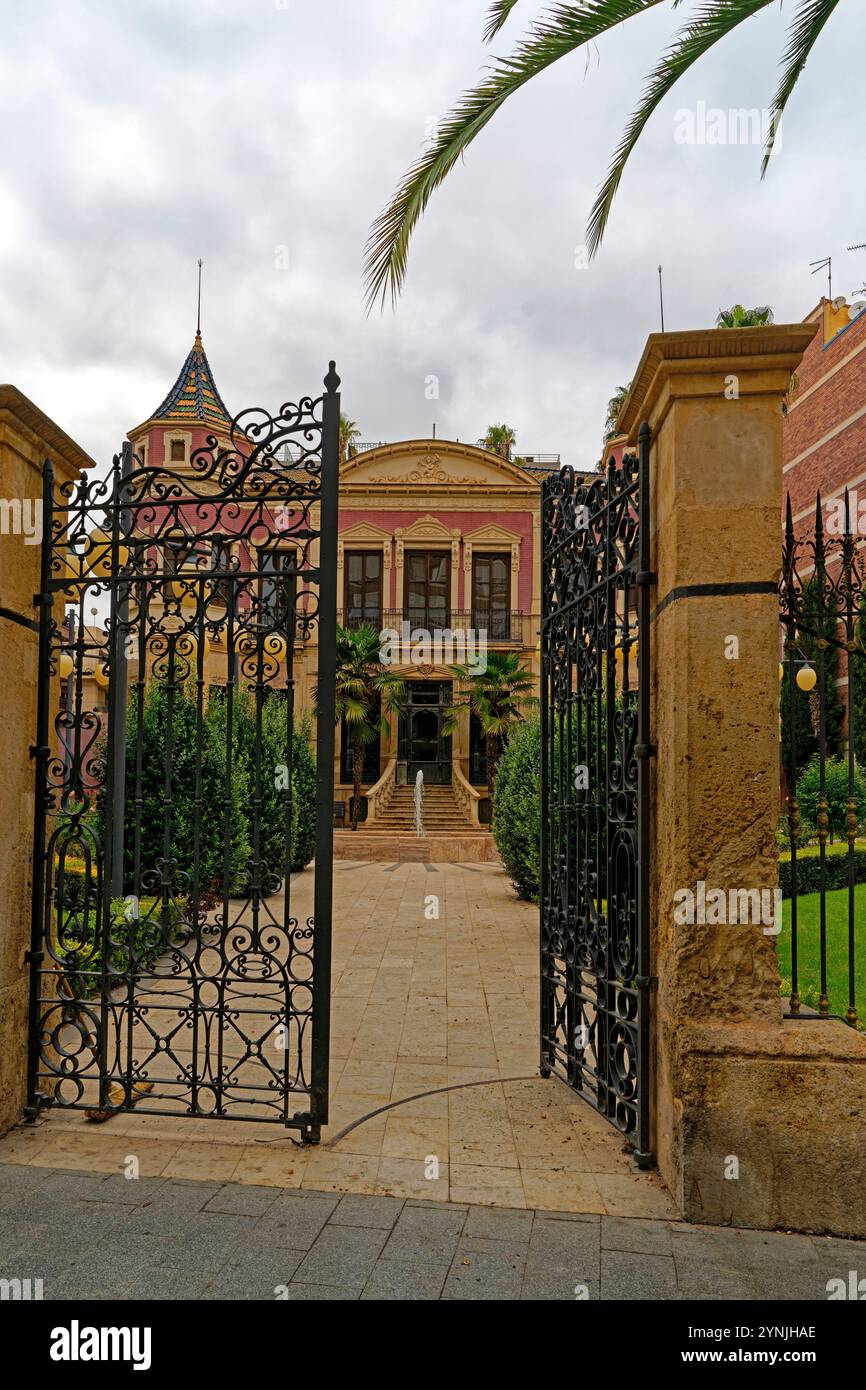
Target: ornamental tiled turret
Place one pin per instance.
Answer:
(181, 424)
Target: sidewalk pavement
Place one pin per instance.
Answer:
(93, 1236)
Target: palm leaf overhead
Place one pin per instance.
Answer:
(805, 28)
(496, 17)
(712, 23)
(567, 28)
(562, 29)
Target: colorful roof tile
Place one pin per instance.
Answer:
(194, 395)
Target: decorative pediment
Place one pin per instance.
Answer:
(365, 532)
(431, 464)
(428, 468)
(427, 528)
(493, 534)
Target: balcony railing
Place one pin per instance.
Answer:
(507, 628)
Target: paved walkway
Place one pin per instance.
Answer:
(96, 1236)
(421, 1002)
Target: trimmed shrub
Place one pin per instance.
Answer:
(304, 768)
(809, 869)
(517, 807)
(212, 738)
(835, 792)
(176, 708)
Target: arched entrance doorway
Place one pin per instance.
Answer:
(423, 746)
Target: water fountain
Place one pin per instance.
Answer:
(419, 798)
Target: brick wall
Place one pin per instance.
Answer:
(824, 441)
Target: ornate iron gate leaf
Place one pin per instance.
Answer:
(169, 971)
(595, 788)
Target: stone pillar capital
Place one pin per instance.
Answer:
(699, 363)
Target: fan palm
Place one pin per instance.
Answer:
(349, 435)
(738, 317)
(366, 690)
(498, 697)
(499, 439)
(614, 409)
(560, 30)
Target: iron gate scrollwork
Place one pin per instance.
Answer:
(169, 970)
(595, 788)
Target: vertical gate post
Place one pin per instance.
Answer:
(27, 438)
(326, 701)
(754, 1119)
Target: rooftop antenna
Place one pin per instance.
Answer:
(198, 314)
(825, 264)
(661, 300)
(859, 246)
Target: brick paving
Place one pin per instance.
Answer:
(99, 1236)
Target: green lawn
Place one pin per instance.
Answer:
(808, 958)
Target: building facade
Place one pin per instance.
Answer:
(824, 432)
(438, 549)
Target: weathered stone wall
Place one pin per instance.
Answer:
(27, 437)
(732, 1081)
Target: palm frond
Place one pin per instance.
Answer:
(805, 28)
(716, 20)
(497, 16)
(563, 29)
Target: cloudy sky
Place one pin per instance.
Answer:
(265, 136)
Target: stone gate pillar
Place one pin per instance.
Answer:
(27, 438)
(758, 1121)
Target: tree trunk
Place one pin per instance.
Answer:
(491, 748)
(357, 769)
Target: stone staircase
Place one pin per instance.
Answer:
(440, 813)
(448, 836)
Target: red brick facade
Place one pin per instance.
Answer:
(824, 435)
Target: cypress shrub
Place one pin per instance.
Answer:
(835, 792)
(517, 807)
(303, 797)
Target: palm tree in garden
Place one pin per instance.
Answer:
(366, 690)
(738, 317)
(499, 439)
(349, 435)
(614, 408)
(498, 697)
(560, 30)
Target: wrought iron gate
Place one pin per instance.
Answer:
(595, 788)
(167, 968)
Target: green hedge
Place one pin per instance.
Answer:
(809, 868)
(304, 794)
(517, 807)
(208, 741)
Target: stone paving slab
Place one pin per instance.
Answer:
(88, 1236)
(418, 1005)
